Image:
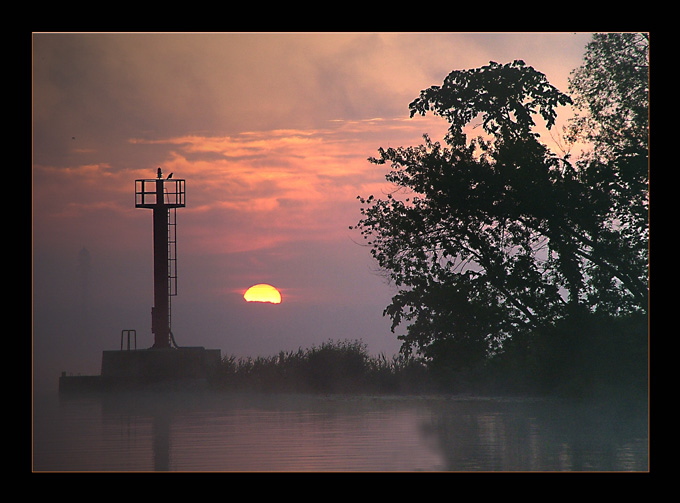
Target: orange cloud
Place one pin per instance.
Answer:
(247, 191)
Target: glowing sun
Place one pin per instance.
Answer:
(262, 293)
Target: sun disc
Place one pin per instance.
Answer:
(262, 293)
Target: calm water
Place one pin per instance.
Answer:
(224, 432)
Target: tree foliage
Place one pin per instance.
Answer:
(498, 239)
(611, 92)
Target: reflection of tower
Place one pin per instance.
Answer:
(161, 442)
(163, 197)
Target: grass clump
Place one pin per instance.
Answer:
(333, 367)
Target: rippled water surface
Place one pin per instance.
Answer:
(225, 432)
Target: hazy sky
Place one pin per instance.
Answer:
(271, 132)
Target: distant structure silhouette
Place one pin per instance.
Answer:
(84, 277)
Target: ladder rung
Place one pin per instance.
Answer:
(172, 252)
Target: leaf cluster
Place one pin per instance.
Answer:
(506, 96)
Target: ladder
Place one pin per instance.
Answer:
(172, 259)
(172, 252)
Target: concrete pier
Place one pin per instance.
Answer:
(139, 368)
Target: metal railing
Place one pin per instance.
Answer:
(146, 195)
(128, 333)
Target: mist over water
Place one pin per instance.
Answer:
(205, 431)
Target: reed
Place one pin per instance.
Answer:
(333, 367)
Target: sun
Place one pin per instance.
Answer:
(262, 293)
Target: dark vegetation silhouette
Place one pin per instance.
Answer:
(517, 269)
(513, 261)
(334, 367)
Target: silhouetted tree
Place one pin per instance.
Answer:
(611, 92)
(498, 238)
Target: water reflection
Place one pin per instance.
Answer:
(222, 432)
(540, 435)
(161, 442)
(283, 433)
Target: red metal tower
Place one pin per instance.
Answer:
(164, 361)
(163, 196)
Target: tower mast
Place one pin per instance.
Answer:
(163, 196)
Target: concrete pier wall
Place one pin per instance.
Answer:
(139, 367)
(158, 364)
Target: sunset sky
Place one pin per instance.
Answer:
(271, 132)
